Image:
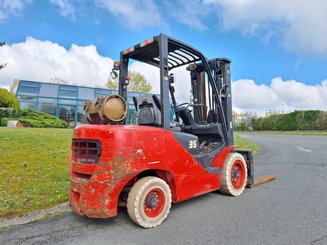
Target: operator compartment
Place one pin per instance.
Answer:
(200, 120)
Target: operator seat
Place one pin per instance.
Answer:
(213, 129)
(148, 110)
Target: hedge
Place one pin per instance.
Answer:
(35, 119)
(297, 120)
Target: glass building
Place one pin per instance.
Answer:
(64, 101)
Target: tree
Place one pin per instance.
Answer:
(5, 64)
(112, 84)
(7, 99)
(58, 80)
(138, 83)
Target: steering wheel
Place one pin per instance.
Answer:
(182, 107)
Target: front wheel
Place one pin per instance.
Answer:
(149, 202)
(234, 175)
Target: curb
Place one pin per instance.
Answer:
(34, 216)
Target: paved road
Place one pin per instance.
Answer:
(290, 210)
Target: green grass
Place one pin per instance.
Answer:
(34, 172)
(246, 144)
(295, 132)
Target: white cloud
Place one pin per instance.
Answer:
(12, 8)
(135, 14)
(66, 8)
(186, 13)
(5, 87)
(279, 95)
(44, 60)
(38, 60)
(301, 24)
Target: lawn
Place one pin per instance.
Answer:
(34, 168)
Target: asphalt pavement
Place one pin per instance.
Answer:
(289, 210)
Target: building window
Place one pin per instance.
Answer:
(47, 108)
(47, 100)
(85, 93)
(130, 100)
(28, 88)
(67, 102)
(131, 116)
(82, 102)
(27, 105)
(67, 113)
(102, 92)
(81, 117)
(26, 98)
(67, 91)
(49, 90)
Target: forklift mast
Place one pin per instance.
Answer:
(220, 71)
(220, 68)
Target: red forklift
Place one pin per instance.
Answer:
(158, 161)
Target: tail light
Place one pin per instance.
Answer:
(86, 151)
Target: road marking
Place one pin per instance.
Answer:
(299, 148)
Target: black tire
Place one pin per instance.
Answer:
(234, 175)
(149, 202)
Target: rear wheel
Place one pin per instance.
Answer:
(234, 175)
(149, 202)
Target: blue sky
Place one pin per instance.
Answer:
(276, 48)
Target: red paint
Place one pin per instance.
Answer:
(126, 152)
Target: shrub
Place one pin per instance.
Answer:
(36, 119)
(7, 112)
(8, 100)
(241, 127)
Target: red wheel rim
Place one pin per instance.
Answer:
(154, 203)
(238, 174)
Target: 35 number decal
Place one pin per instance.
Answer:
(192, 144)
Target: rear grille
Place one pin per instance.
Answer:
(86, 151)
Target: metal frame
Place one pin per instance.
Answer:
(157, 53)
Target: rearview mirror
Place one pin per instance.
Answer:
(171, 78)
(113, 74)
